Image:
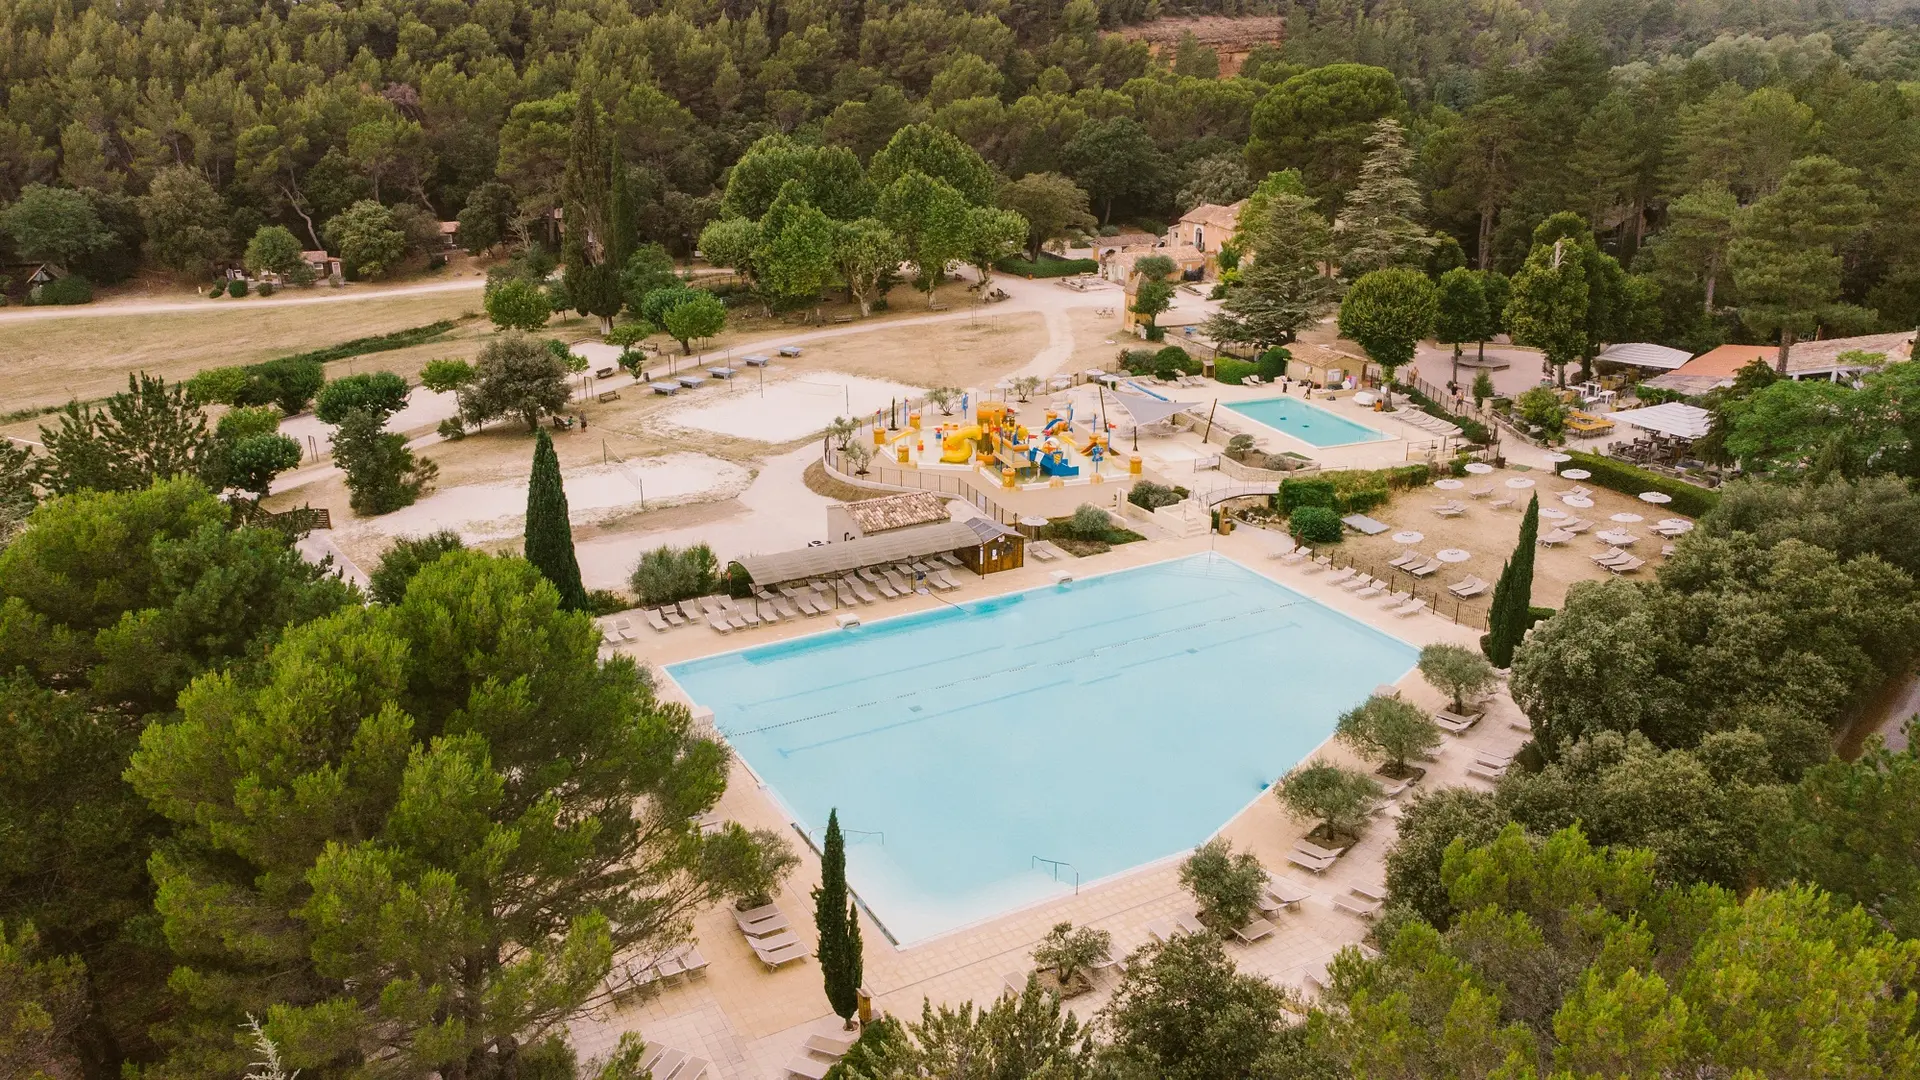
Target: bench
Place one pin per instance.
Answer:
(610, 395)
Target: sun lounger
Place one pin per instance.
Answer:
(1410, 608)
(952, 560)
(1320, 562)
(692, 611)
(1557, 536)
(940, 578)
(654, 620)
(1392, 788)
(1404, 558)
(845, 594)
(1396, 599)
(768, 614)
(1503, 503)
(811, 1068)
(1356, 583)
(1041, 552)
(1308, 862)
(1286, 891)
(886, 589)
(761, 922)
(1296, 556)
(1628, 566)
(1431, 566)
(1493, 759)
(1481, 492)
(785, 607)
(1486, 772)
(1342, 574)
(1357, 905)
(1612, 554)
(1188, 924)
(1254, 931)
(1373, 589)
(1577, 525)
(802, 599)
(779, 939)
(832, 1044)
(1370, 890)
(747, 614)
(859, 589)
(1162, 930)
(1467, 586)
(668, 1061)
(1317, 851)
(673, 617)
(1014, 982)
(901, 584)
(1448, 510)
(719, 624)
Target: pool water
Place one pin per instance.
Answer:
(1306, 422)
(1103, 725)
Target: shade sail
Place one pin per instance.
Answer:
(1669, 418)
(838, 558)
(1146, 410)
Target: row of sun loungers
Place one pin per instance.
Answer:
(666, 1063)
(770, 935)
(1469, 586)
(684, 961)
(1618, 561)
(1427, 423)
(1452, 508)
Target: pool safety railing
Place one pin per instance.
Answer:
(1055, 865)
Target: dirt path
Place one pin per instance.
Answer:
(348, 294)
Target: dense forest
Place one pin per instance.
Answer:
(172, 133)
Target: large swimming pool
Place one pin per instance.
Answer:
(1101, 725)
(1306, 422)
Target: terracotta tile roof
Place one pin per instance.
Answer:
(1224, 217)
(1726, 361)
(898, 511)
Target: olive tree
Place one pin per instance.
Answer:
(1337, 800)
(1458, 672)
(1389, 729)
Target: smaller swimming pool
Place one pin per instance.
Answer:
(1310, 424)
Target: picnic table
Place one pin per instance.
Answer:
(721, 372)
(789, 350)
(756, 360)
(692, 382)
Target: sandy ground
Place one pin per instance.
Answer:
(1489, 536)
(789, 408)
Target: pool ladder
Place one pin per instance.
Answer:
(1055, 865)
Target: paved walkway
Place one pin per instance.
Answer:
(749, 1021)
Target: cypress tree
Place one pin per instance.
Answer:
(549, 542)
(1513, 594)
(839, 924)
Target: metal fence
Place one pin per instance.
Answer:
(879, 474)
(1469, 613)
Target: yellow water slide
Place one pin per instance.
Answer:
(957, 447)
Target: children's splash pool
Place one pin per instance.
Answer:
(1305, 421)
(1102, 726)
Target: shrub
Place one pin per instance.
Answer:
(266, 288)
(668, 574)
(1227, 886)
(1295, 494)
(451, 429)
(1632, 480)
(72, 289)
(381, 393)
(1178, 359)
(237, 288)
(1273, 363)
(1231, 370)
(605, 602)
(1137, 361)
(1543, 409)
(739, 583)
(1156, 333)
(1314, 525)
(1362, 500)
(289, 382)
(1089, 522)
(1238, 446)
(1151, 496)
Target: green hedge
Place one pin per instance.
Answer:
(1295, 494)
(1047, 268)
(1273, 363)
(72, 289)
(1471, 430)
(1632, 480)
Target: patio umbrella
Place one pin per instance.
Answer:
(1577, 474)
(1626, 518)
(1655, 497)
(1558, 458)
(1452, 555)
(1579, 502)
(1409, 537)
(1479, 468)
(1448, 485)
(1520, 482)
(1552, 513)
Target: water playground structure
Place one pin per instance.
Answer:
(1006, 450)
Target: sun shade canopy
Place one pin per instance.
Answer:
(894, 546)
(1669, 418)
(1645, 354)
(1146, 410)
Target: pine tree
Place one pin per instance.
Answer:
(1377, 228)
(1513, 594)
(835, 916)
(549, 542)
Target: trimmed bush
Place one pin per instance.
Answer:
(266, 288)
(1047, 268)
(1273, 363)
(1137, 361)
(237, 288)
(1156, 333)
(1314, 525)
(1151, 496)
(1632, 480)
(219, 386)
